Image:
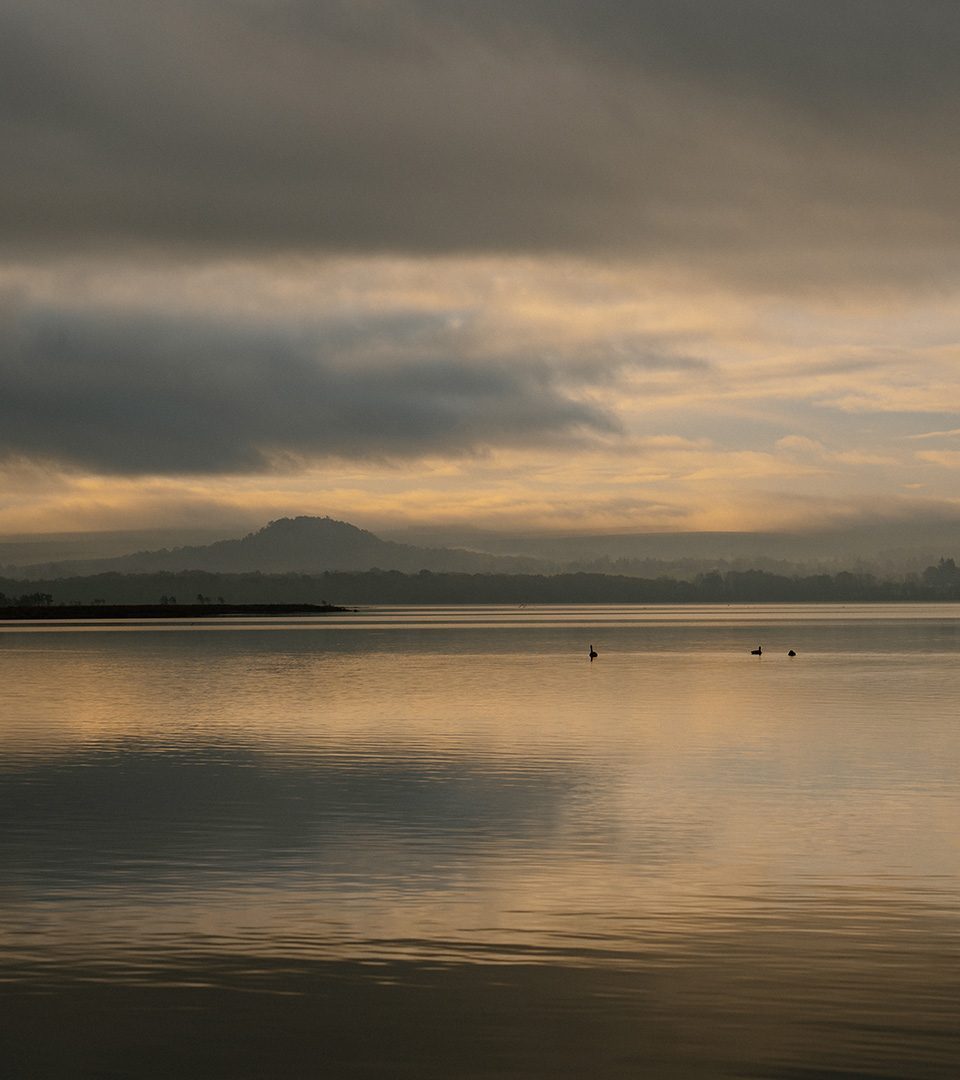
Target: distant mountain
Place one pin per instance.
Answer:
(307, 545)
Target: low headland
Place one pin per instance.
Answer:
(162, 611)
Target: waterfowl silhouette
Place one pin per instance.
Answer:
(758, 651)
(592, 654)
(791, 653)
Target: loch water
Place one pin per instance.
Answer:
(442, 843)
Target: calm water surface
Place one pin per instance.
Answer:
(439, 842)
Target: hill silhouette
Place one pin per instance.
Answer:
(303, 545)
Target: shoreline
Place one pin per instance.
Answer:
(162, 611)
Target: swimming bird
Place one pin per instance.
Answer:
(592, 654)
(758, 651)
(791, 653)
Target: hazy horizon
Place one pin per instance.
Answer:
(890, 550)
(395, 528)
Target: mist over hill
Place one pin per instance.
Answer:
(311, 545)
(314, 559)
(888, 548)
(50, 549)
(304, 545)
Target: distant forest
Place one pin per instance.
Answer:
(940, 582)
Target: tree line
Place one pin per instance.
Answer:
(34, 599)
(936, 583)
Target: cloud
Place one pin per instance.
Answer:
(800, 444)
(945, 459)
(953, 433)
(814, 138)
(517, 393)
(446, 252)
(157, 393)
(812, 450)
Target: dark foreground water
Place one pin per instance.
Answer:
(441, 843)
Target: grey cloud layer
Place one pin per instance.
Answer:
(654, 126)
(153, 393)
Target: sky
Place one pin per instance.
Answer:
(625, 266)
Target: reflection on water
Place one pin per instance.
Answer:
(440, 842)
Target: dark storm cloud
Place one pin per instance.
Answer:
(654, 126)
(836, 59)
(153, 393)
